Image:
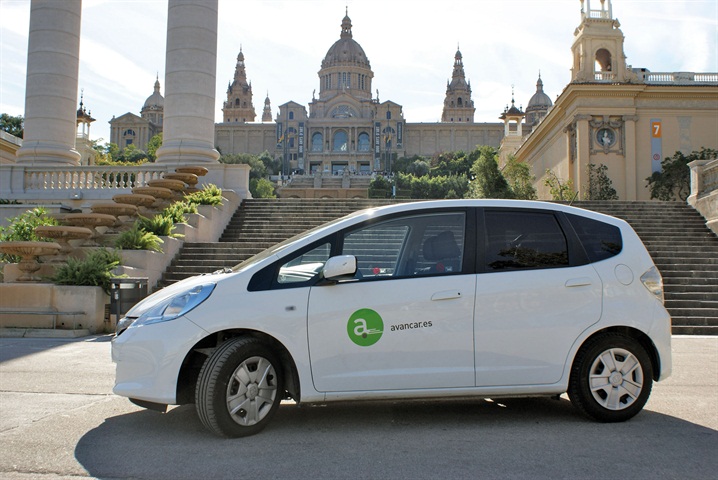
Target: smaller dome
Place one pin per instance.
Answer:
(539, 99)
(156, 100)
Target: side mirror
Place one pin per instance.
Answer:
(341, 267)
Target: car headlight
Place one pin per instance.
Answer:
(170, 308)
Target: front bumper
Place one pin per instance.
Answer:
(148, 359)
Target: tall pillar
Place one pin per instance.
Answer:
(53, 62)
(583, 153)
(190, 78)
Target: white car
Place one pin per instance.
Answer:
(438, 299)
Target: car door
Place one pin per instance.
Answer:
(532, 300)
(406, 320)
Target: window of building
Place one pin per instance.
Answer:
(364, 142)
(291, 115)
(317, 142)
(340, 141)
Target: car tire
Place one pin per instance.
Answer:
(239, 388)
(611, 378)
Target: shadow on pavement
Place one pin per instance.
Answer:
(12, 348)
(509, 438)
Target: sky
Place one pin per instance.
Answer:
(410, 44)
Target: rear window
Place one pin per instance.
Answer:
(599, 239)
(524, 240)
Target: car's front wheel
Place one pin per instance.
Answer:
(239, 388)
(611, 378)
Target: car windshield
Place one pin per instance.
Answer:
(276, 249)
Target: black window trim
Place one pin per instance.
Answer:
(576, 253)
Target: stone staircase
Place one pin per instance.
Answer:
(683, 248)
(258, 224)
(685, 252)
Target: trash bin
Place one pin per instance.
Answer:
(125, 292)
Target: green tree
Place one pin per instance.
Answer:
(271, 164)
(674, 178)
(600, 186)
(261, 188)
(488, 181)
(560, 190)
(152, 146)
(256, 165)
(518, 175)
(12, 125)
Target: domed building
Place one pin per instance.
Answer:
(347, 130)
(130, 129)
(538, 106)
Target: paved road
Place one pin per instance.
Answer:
(59, 420)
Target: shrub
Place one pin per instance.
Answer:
(178, 211)
(22, 229)
(159, 225)
(138, 239)
(600, 186)
(94, 270)
(560, 190)
(209, 195)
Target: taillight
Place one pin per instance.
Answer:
(653, 282)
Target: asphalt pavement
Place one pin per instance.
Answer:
(60, 420)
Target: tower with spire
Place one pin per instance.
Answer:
(458, 105)
(267, 112)
(239, 106)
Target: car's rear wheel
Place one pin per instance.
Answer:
(611, 378)
(239, 388)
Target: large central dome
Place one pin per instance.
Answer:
(346, 51)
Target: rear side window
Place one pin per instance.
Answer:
(600, 240)
(524, 240)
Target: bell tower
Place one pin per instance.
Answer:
(598, 46)
(239, 107)
(458, 106)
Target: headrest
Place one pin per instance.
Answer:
(440, 247)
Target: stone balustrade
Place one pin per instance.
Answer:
(704, 190)
(51, 183)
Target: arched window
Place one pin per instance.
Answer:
(364, 144)
(460, 102)
(340, 141)
(236, 102)
(388, 115)
(317, 142)
(603, 60)
(291, 115)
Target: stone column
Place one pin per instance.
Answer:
(583, 153)
(53, 62)
(629, 152)
(190, 78)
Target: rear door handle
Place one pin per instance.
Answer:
(578, 282)
(446, 295)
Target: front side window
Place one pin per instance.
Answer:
(524, 240)
(427, 244)
(304, 267)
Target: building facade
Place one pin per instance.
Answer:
(131, 129)
(346, 127)
(626, 118)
